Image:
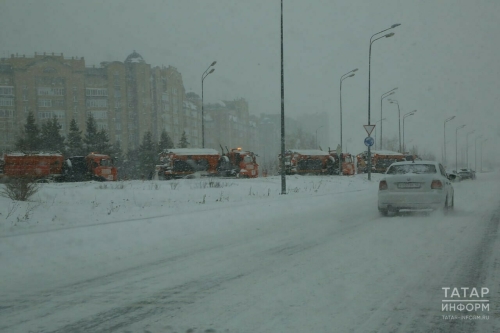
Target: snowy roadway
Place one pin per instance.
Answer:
(321, 262)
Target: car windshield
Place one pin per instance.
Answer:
(411, 168)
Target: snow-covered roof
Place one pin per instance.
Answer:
(98, 155)
(33, 154)
(312, 152)
(192, 151)
(386, 152)
(188, 104)
(415, 162)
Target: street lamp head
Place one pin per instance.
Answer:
(213, 64)
(354, 70)
(213, 69)
(395, 25)
(351, 75)
(389, 35)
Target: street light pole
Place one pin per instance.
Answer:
(378, 121)
(475, 152)
(411, 113)
(203, 76)
(283, 176)
(467, 148)
(384, 95)
(456, 147)
(369, 86)
(482, 153)
(446, 120)
(393, 101)
(317, 135)
(342, 78)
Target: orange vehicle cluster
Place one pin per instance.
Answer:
(307, 161)
(381, 160)
(53, 166)
(181, 162)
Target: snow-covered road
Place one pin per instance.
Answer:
(321, 262)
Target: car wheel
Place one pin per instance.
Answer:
(383, 212)
(446, 207)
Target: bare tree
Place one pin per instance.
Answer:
(20, 188)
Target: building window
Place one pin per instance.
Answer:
(99, 114)
(6, 90)
(48, 91)
(59, 103)
(118, 126)
(97, 103)
(45, 103)
(6, 102)
(6, 113)
(96, 92)
(51, 114)
(102, 126)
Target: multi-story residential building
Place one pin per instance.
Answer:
(127, 99)
(228, 123)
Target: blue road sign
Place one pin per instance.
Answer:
(369, 141)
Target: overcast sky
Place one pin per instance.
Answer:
(444, 58)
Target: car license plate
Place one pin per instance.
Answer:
(408, 185)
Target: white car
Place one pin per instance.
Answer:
(414, 186)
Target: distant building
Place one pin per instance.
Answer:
(126, 98)
(228, 123)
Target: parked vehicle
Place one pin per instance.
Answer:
(239, 163)
(310, 161)
(39, 165)
(413, 186)
(467, 174)
(52, 166)
(381, 160)
(178, 163)
(348, 167)
(91, 167)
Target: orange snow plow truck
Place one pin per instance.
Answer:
(348, 167)
(36, 165)
(239, 163)
(53, 166)
(181, 162)
(308, 161)
(91, 167)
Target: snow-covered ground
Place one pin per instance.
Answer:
(234, 255)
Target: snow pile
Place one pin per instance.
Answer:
(68, 205)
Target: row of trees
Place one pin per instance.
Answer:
(135, 163)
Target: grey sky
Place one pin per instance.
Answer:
(443, 58)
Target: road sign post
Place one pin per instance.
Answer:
(369, 129)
